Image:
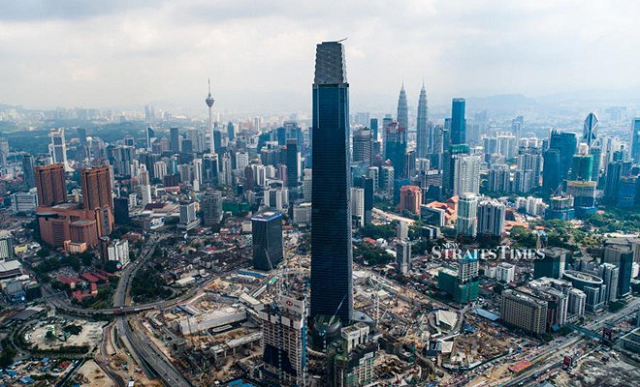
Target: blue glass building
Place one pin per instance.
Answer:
(331, 250)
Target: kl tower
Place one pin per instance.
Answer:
(209, 102)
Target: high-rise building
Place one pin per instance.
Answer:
(590, 128)
(151, 136)
(331, 250)
(466, 174)
(610, 275)
(524, 311)
(552, 265)
(403, 111)
(284, 342)
(566, 144)
(266, 229)
(293, 163)
(410, 199)
(581, 168)
(209, 101)
(174, 135)
(551, 176)
(635, 140)
(24, 201)
(505, 272)
(4, 151)
(368, 184)
(96, 188)
(458, 122)
(462, 284)
(351, 359)
(362, 146)
(491, 217)
(403, 256)
(28, 173)
(423, 131)
(622, 257)
(466, 225)
(395, 147)
(58, 148)
(211, 205)
(6, 247)
(357, 206)
(121, 211)
(516, 127)
(115, 250)
(50, 183)
(188, 218)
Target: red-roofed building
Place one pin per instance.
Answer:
(89, 277)
(520, 366)
(72, 282)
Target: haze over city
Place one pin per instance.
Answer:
(126, 54)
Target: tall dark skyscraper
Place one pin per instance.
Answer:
(266, 231)
(331, 251)
(395, 147)
(458, 122)
(403, 111)
(566, 143)
(551, 172)
(28, 172)
(175, 139)
(292, 163)
(374, 129)
(590, 128)
(423, 137)
(151, 134)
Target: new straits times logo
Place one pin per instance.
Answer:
(453, 252)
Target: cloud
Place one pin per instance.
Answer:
(259, 54)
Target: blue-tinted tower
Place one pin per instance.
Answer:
(331, 251)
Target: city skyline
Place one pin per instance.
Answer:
(161, 54)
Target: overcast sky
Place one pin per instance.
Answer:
(259, 54)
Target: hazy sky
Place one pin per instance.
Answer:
(259, 54)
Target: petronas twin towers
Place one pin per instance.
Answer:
(422, 126)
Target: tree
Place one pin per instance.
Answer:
(111, 266)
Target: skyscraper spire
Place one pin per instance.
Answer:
(209, 101)
(403, 111)
(423, 142)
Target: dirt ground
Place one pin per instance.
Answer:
(91, 375)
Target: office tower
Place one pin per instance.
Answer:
(524, 311)
(28, 173)
(402, 230)
(284, 342)
(123, 158)
(458, 122)
(293, 163)
(362, 146)
(592, 286)
(410, 199)
(188, 219)
(403, 256)
(160, 170)
(423, 135)
(58, 148)
(466, 224)
(566, 144)
(373, 125)
(4, 151)
(635, 140)
(231, 131)
(516, 127)
(581, 168)
(505, 272)
(596, 152)
(590, 128)
(403, 111)
(374, 173)
(622, 257)
(395, 147)
(552, 265)
(266, 230)
(50, 183)
(217, 141)
(96, 188)
(211, 205)
(584, 196)
(115, 250)
(331, 251)
(121, 211)
(560, 207)
(610, 275)
(551, 176)
(491, 216)
(175, 139)
(577, 303)
(151, 136)
(357, 206)
(466, 174)
(367, 183)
